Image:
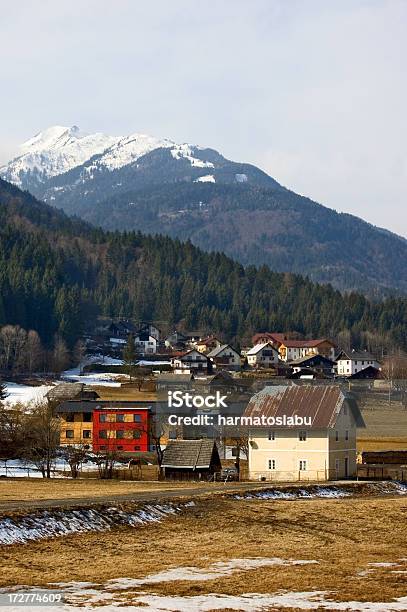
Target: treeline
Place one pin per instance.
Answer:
(58, 274)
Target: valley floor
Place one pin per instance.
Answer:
(232, 554)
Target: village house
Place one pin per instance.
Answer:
(318, 364)
(352, 362)
(192, 361)
(145, 343)
(191, 460)
(291, 348)
(318, 444)
(262, 356)
(208, 344)
(224, 356)
(80, 423)
(121, 429)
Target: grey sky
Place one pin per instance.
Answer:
(313, 92)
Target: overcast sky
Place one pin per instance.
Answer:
(313, 92)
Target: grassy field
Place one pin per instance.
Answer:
(342, 536)
(27, 489)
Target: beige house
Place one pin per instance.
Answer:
(302, 432)
(262, 356)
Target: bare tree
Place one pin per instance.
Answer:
(60, 356)
(34, 353)
(75, 456)
(156, 429)
(79, 353)
(13, 339)
(105, 461)
(394, 370)
(42, 437)
(12, 431)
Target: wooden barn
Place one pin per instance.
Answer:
(191, 460)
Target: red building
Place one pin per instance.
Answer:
(121, 428)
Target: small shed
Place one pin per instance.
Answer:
(191, 460)
(71, 391)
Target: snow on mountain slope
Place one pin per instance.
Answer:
(128, 149)
(55, 151)
(59, 149)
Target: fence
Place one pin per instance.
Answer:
(292, 476)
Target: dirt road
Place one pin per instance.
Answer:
(142, 496)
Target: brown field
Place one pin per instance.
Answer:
(27, 489)
(343, 536)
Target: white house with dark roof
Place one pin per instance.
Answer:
(225, 356)
(302, 432)
(262, 355)
(351, 362)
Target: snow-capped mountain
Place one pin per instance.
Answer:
(54, 151)
(67, 168)
(155, 185)
(59, 149)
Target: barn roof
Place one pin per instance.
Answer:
(321, 403)
(65, 391)
(191, 454)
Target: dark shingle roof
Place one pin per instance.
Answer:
(188, 454)
(356, 355)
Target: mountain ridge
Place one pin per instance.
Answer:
(185, 191)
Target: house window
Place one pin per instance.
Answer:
(87, 417)
(103, 434)
(337, 466)
(272, 435)
(120, 418)
(336, 436)
(137, 418)
(102, 418)
(69, 417)
(302, 435)
(347, 434)
(87, 433)
(69, 433)
(303, 465)
(120, 434)
(272, 464)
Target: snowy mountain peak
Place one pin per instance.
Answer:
(54, 151)
(58, 149)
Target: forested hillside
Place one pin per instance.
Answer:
(56, 274)
(155, 186)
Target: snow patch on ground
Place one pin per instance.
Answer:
(332, 492)
(316, 492)
(49, 524)
(24, 394)
(208, 178)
